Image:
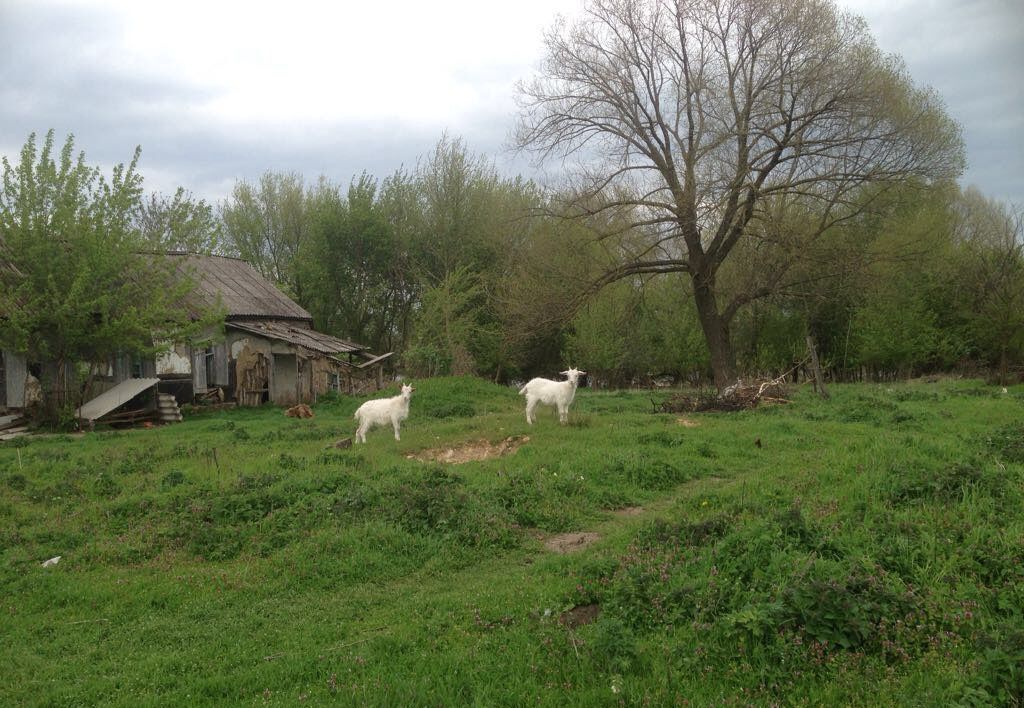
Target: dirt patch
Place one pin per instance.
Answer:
(579, 616)
(687, 423)
(628, 511)
(471, 451)
(299, 411)
(571, 542)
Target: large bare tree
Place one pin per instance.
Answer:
(708, 122)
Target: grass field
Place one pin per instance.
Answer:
(868, 550)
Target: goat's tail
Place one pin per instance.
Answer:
(522, 391)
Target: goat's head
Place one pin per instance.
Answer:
(573, 374)
(407, 390)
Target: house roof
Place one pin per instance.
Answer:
(304, 337)
(243, 292)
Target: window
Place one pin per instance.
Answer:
(136, 366)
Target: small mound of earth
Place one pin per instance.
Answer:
(471, 451)
(579, 616)
(571, 542)
(687, 423)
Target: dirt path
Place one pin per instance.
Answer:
(575, 541)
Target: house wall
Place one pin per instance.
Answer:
(264, 370)
(175, 361)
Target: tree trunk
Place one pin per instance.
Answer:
(716, 331)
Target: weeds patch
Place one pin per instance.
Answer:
(875, 558)
(1008, 443)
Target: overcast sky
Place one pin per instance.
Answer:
(219, 91)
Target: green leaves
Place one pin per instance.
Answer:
(79, 286)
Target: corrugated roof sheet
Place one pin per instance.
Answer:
(114, 398)
(243, 291)
(308, 338)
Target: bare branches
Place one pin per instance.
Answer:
(699, 114)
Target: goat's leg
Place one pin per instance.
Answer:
(395, 423)
(531, 403)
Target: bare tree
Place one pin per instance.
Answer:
(706, 122)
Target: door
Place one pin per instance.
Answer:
(284, 382)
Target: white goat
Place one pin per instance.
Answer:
(382, 410)
(552, 393)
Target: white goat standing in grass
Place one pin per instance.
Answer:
(552, 393)
(382, 410)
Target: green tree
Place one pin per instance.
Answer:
(180, 223)
(356, 272)
(453, 331)
(989, 273)
(78, 286)
(268, 225)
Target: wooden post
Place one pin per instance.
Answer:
(819, 380)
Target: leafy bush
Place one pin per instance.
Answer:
(613, 645)
(172, 479)
(106, 486)
(924, 482)
(844, 609)
(648, 473)
(1008, 443)
(999, 678)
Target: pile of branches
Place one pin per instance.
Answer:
(741, 396)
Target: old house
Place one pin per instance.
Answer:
(269, 351)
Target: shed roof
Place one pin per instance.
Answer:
(243, 292)
(303, 337)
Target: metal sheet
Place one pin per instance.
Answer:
(114, 398)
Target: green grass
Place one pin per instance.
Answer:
(870, 551)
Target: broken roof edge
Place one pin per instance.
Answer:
(308, 338)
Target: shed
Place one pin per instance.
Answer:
(270, 351)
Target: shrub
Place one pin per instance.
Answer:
(844, 608)
(1008, 443)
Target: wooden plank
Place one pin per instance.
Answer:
(220, 364)
(9, 421)
(16, 373)
(199, 369)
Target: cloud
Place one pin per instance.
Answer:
(219, 91)
(971, 52)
